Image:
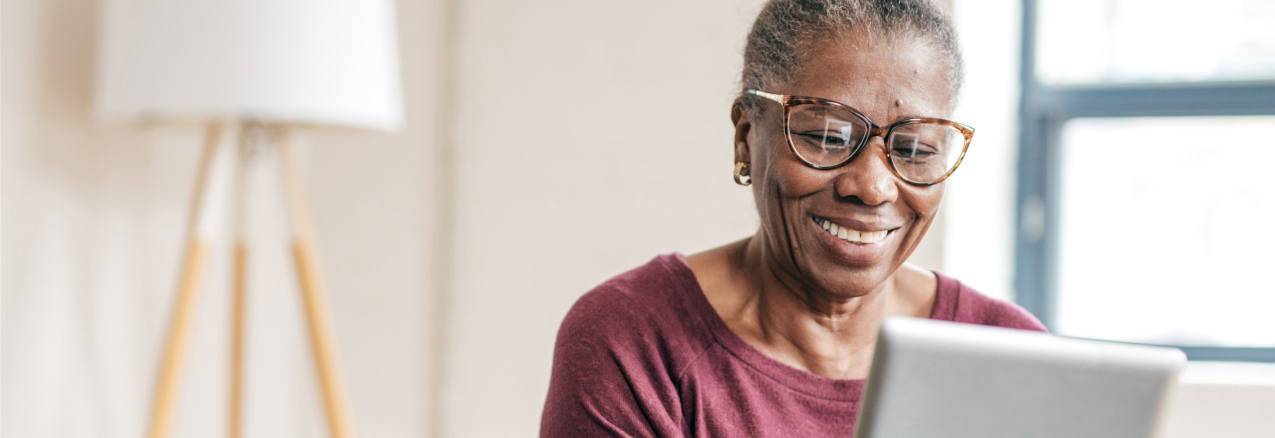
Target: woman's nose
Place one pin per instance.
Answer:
(868, 177)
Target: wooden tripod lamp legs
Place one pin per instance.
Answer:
(188, 292)
(312, 291)
(322, 339)
(239, 286)
(238, 304)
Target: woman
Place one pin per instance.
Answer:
(839, 133)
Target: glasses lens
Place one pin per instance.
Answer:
(824, 135)
(925, 152)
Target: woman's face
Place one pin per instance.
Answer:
(887, 82)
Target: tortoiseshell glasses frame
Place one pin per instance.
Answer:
(873, 130)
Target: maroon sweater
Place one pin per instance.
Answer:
(646, 355)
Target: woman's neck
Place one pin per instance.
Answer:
(798, 324)
(804, 326)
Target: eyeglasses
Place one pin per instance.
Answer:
(827, 135)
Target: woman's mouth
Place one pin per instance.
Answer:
(849, 235)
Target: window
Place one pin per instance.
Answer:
(1146, 180)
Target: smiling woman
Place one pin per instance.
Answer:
(773, 335)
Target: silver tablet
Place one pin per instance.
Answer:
(943, 379)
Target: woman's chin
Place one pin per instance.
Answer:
(844, 282)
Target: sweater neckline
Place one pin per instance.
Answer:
(798, 380)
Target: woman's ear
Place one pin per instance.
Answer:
(741, 117)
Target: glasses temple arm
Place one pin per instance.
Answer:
(775, 97)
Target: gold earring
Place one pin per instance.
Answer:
(741, 178)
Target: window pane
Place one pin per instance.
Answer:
(1122, 41)
(1167, 230)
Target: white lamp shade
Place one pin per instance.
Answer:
(331, 62)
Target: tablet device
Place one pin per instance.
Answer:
(944, 379)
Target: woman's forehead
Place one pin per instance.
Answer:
(880, 77)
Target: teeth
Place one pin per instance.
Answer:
(875, 236)
(849, 235)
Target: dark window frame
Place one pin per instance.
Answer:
(1043, 109)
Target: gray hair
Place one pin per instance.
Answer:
(786, 29)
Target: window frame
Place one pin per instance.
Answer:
(1044, 109)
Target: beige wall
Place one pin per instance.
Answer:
(590, 136)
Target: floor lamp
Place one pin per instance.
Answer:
(260, 68)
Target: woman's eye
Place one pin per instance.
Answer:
(913, 152)
(829, 139)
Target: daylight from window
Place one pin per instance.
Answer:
(1129, 41)
(1167, 222)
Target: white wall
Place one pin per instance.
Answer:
(92, 223)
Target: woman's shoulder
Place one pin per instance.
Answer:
(620, 352)
(660, 286)
(958, 302)
(653, 303)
